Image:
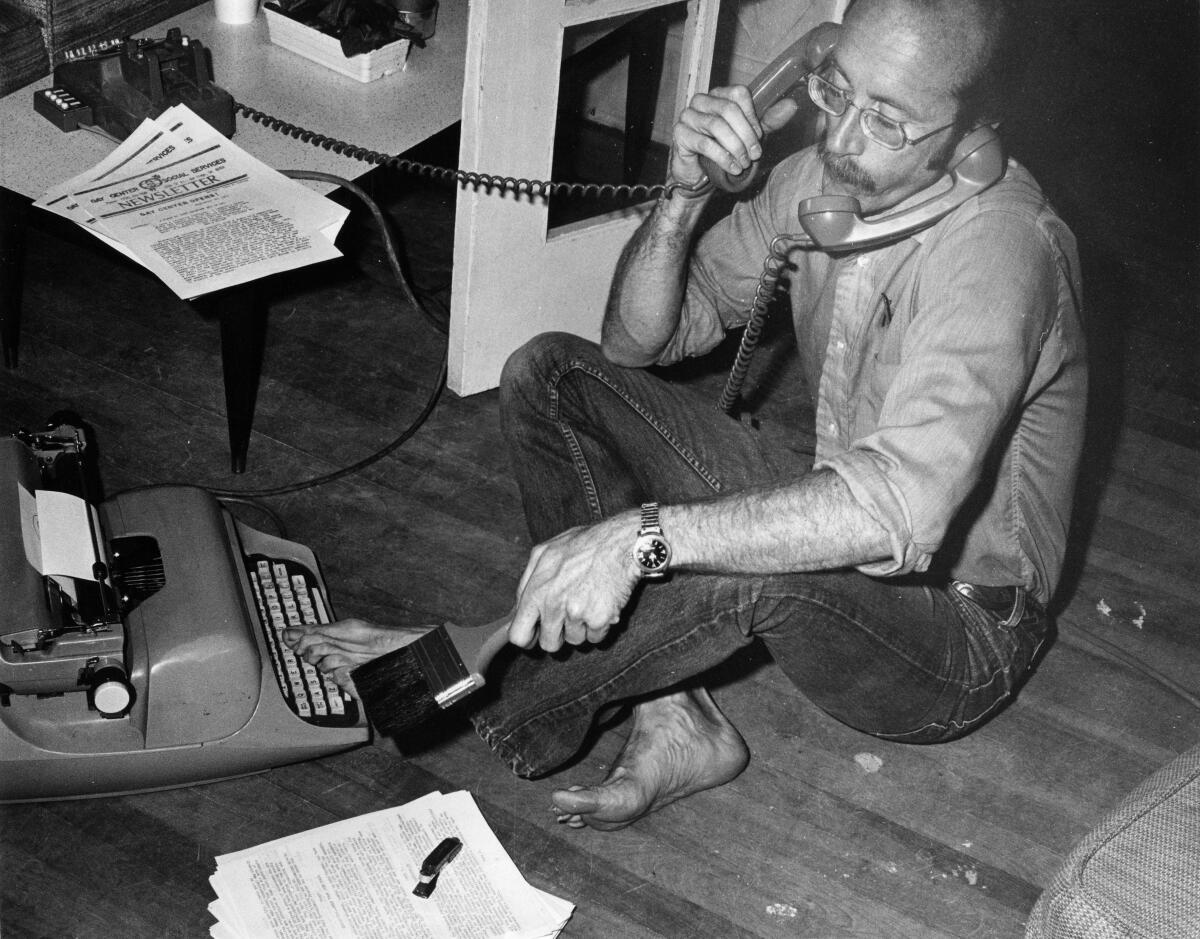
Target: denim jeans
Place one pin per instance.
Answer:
(908, 659)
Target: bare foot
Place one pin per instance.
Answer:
(680, 744)
(337, 648)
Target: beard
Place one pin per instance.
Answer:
(843, 169)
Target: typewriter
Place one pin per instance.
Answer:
(140, 639)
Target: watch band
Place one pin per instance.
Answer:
(650, 523)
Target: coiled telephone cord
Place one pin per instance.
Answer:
(485, 181)
(773, 265)
(756, 318)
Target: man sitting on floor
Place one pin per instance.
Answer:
(901, 583)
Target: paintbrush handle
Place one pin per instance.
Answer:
(478, 645)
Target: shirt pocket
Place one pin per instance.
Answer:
(881, 363)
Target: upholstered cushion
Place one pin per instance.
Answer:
(1137, 875)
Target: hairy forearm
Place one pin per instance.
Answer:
(811, 524)
(646, 298)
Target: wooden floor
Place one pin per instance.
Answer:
(828, 832)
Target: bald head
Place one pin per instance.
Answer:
(962, 45)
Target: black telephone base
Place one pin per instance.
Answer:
(63, 109)
(115, 85)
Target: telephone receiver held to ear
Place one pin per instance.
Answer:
(788, 69)
(835, 223)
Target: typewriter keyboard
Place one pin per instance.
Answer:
(287, 595)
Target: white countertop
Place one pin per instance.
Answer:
(389, 115)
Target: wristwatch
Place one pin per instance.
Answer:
(651, 551)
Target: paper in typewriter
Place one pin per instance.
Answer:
(196, 209)
(354, 879)
(66, 543)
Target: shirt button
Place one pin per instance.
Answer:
(832, 427)
(840, 346)
(863, 260)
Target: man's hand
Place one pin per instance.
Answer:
(645, 304)
(722, 125)
(576, 585)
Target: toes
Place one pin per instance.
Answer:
(349, 635)
(303, 641)
(293, 635)
(584, 807)
(341, 677)
(566, 818)
(333, 664)
(576, 800)
(323, 656)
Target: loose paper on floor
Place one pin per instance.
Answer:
(354, 880)
(196, 209)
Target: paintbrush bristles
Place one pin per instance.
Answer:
(394, 691)
(407, 687)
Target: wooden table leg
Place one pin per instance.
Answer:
(14, 219)
(243, 316)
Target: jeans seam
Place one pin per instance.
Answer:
(586, 479)
(968, 689)
(494, 740)
(576, 452)
(958, 725)
(966, 606)
(491, 736)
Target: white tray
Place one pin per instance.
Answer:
(306, 41)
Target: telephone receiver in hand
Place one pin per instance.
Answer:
(835, 223)
(788, 69)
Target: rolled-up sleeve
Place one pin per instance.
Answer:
(928, 410)
(726, 267)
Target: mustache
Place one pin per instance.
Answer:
(845, 171)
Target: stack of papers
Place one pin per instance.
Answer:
(355, 879)
(196, 209)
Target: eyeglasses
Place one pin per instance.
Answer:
(883, 130)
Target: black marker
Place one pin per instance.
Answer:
(432, 866)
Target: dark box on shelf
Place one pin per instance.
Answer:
(71, 24)
(22, 49)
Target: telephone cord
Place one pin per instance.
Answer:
(485, 181)
(434, 394)
(773, 265)
(756, 317)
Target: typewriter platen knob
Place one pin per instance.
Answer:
(110, 692)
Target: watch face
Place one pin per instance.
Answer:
(651, 554)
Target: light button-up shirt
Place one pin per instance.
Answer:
(949, 370)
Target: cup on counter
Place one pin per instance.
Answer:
(236, 12)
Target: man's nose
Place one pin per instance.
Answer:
(843, 135)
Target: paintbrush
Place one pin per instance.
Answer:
(404, 689)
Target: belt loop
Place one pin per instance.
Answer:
(975, 594)
(1018, 609)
